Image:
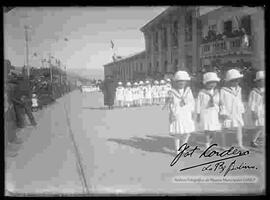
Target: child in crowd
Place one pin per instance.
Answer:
(232, 107)
(119, 96)
(135, 94)
(207, 107)
(256, 105)
(34, 103)
(141, 94)
(162, 92)
(181, 105)
(155, 95)
(128, 95)
(148, 93)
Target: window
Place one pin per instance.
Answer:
(175, 64)
(188, 26)
(157, 65)
(150, 68)
(165, 66)
(165, 42)
(156, 41)
(175, 34)
(141, 67)
(246, 24)
(228, 26)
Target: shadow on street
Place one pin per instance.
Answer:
(156, 144)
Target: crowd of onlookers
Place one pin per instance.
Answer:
(214, 36)
(24, 94)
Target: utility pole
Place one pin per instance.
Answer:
(27, 50)
(51, 75)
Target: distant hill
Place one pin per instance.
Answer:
(88, 73)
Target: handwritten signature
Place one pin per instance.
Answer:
(217, 165)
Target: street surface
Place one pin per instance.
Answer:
(79, 147)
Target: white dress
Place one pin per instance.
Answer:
(34, 102)
(148, 92)
(119, 96)
(181, 121)
(232, 106)
(128, 95)
(141, 92)
(163, 91)
(256, 104)
(209, 114)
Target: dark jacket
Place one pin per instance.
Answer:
(109, 91)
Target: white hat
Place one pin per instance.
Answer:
(34, 95)
(155, 82)
(147, 82)
(233, 74)
(162, 81)
(141, 82)
(120, 83)
(181, 75)
(135, 83)
(259, 75)
(210, 76)
(128, 84)
(168, 80)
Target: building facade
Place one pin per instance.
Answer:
(171, 40)
(127, 69)
(182, 37)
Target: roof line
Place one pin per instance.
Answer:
(125, 58)
(165, 12)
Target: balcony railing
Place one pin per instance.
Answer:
(226, 46)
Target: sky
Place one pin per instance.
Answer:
(89, 31)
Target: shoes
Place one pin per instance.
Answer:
(254, 144)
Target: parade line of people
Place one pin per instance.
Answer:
(213, 110)
(142, 93)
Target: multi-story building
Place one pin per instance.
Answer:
(127, 69)
(183, 37)
(232, 37)
(171, 40)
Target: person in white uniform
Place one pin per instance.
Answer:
(148, 93)
(119, 96)
(162, 92)
(128, 95)
(140, 93)
(207, 107)
(181, 106)
(34, 103)
(257, 106)
(155, 93)
(135, 93)
(232, 107)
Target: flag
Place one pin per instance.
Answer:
(112, 44)
(237, 21)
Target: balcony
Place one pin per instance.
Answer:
(227, 46)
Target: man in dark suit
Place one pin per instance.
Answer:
(109, 91)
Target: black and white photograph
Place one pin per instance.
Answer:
(134, 100)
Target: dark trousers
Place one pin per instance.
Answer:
(19, 114)
(20, 111)
(28, 112)
(10, 126)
